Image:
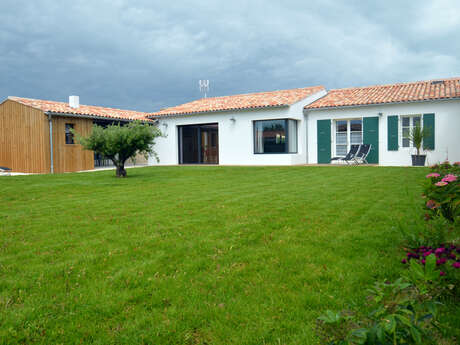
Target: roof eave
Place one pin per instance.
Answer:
(215, 111)
(384, 103)
(93, 117)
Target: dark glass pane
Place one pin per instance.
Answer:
(189, 144)
(341, 126)
(417, 121)
(356, 125)
(68, 134)
(274, 136)
(270, 136)
(406, 121)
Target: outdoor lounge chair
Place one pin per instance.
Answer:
(5, 171)
(350, 155)
(363, 152)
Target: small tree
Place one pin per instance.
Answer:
(416, 135)
(119, 143)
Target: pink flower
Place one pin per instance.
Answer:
(456, 264)
(431, 204)
(441, 261)
(427, 253)
(404, 261)
(439, 250)
(441, 183)
(442, 273)
(449, 178)
(432, 175)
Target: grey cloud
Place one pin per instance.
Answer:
(150, 54)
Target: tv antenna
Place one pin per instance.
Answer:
(204, 87)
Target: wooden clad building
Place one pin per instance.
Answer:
(26, 126)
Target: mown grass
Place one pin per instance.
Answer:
(195, 255)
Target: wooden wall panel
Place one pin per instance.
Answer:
(24, 141)
(71, 157)
(23, 138)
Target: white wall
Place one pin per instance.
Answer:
(447, 129)
(236, 139)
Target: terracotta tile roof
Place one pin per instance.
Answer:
(403, 92)
(239, 102)
(82, 110)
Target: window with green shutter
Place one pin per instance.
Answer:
(428, 125)
(393, 144)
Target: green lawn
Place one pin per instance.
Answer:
(195, 255)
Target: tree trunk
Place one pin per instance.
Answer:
(121, 172)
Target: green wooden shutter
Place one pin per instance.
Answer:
(324, 141)
(393, 133)
(428, 125)
(371, 136)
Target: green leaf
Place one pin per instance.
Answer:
(404, 320)
(359, 336)
(415, 333)
(389, 324)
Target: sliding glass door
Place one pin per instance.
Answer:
(199, 144)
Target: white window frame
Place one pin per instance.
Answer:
(334, 134)
(411, 126)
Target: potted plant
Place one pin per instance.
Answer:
(416, 135)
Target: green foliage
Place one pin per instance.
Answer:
(416, 135)
(445, 168)
(426, 277)
(431, 232)
(120, 143)
(398, 315)
(442, 193)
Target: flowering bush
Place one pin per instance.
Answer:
(434, 268)
(398, 314)
(446, 168)
(442, 191)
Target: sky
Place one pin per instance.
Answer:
(148, 55)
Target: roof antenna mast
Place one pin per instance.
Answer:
(204, 87)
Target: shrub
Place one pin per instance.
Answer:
(434, 270)
(432, 232)
(399, 314)
(442, 192)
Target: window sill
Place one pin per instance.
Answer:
(275, 153)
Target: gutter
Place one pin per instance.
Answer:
(51, 144)
(93, 117)
(378, 104)
(152, 117)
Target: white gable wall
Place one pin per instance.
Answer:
(236, 139)
(447, 129)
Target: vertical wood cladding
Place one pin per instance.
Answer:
(24, 141)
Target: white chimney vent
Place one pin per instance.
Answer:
(74, 101)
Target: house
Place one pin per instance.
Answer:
(258, 128)
(311, 125)
(36, 137)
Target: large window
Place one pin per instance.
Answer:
(408, 123)
(347, 133)
(68, 133)
(275, 136)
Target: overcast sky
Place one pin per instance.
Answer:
(147, 55)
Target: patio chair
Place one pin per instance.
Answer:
(350, 155)
(5, 171)
(363, 152)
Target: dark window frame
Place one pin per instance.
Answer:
(69, 136)
(286, 126)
